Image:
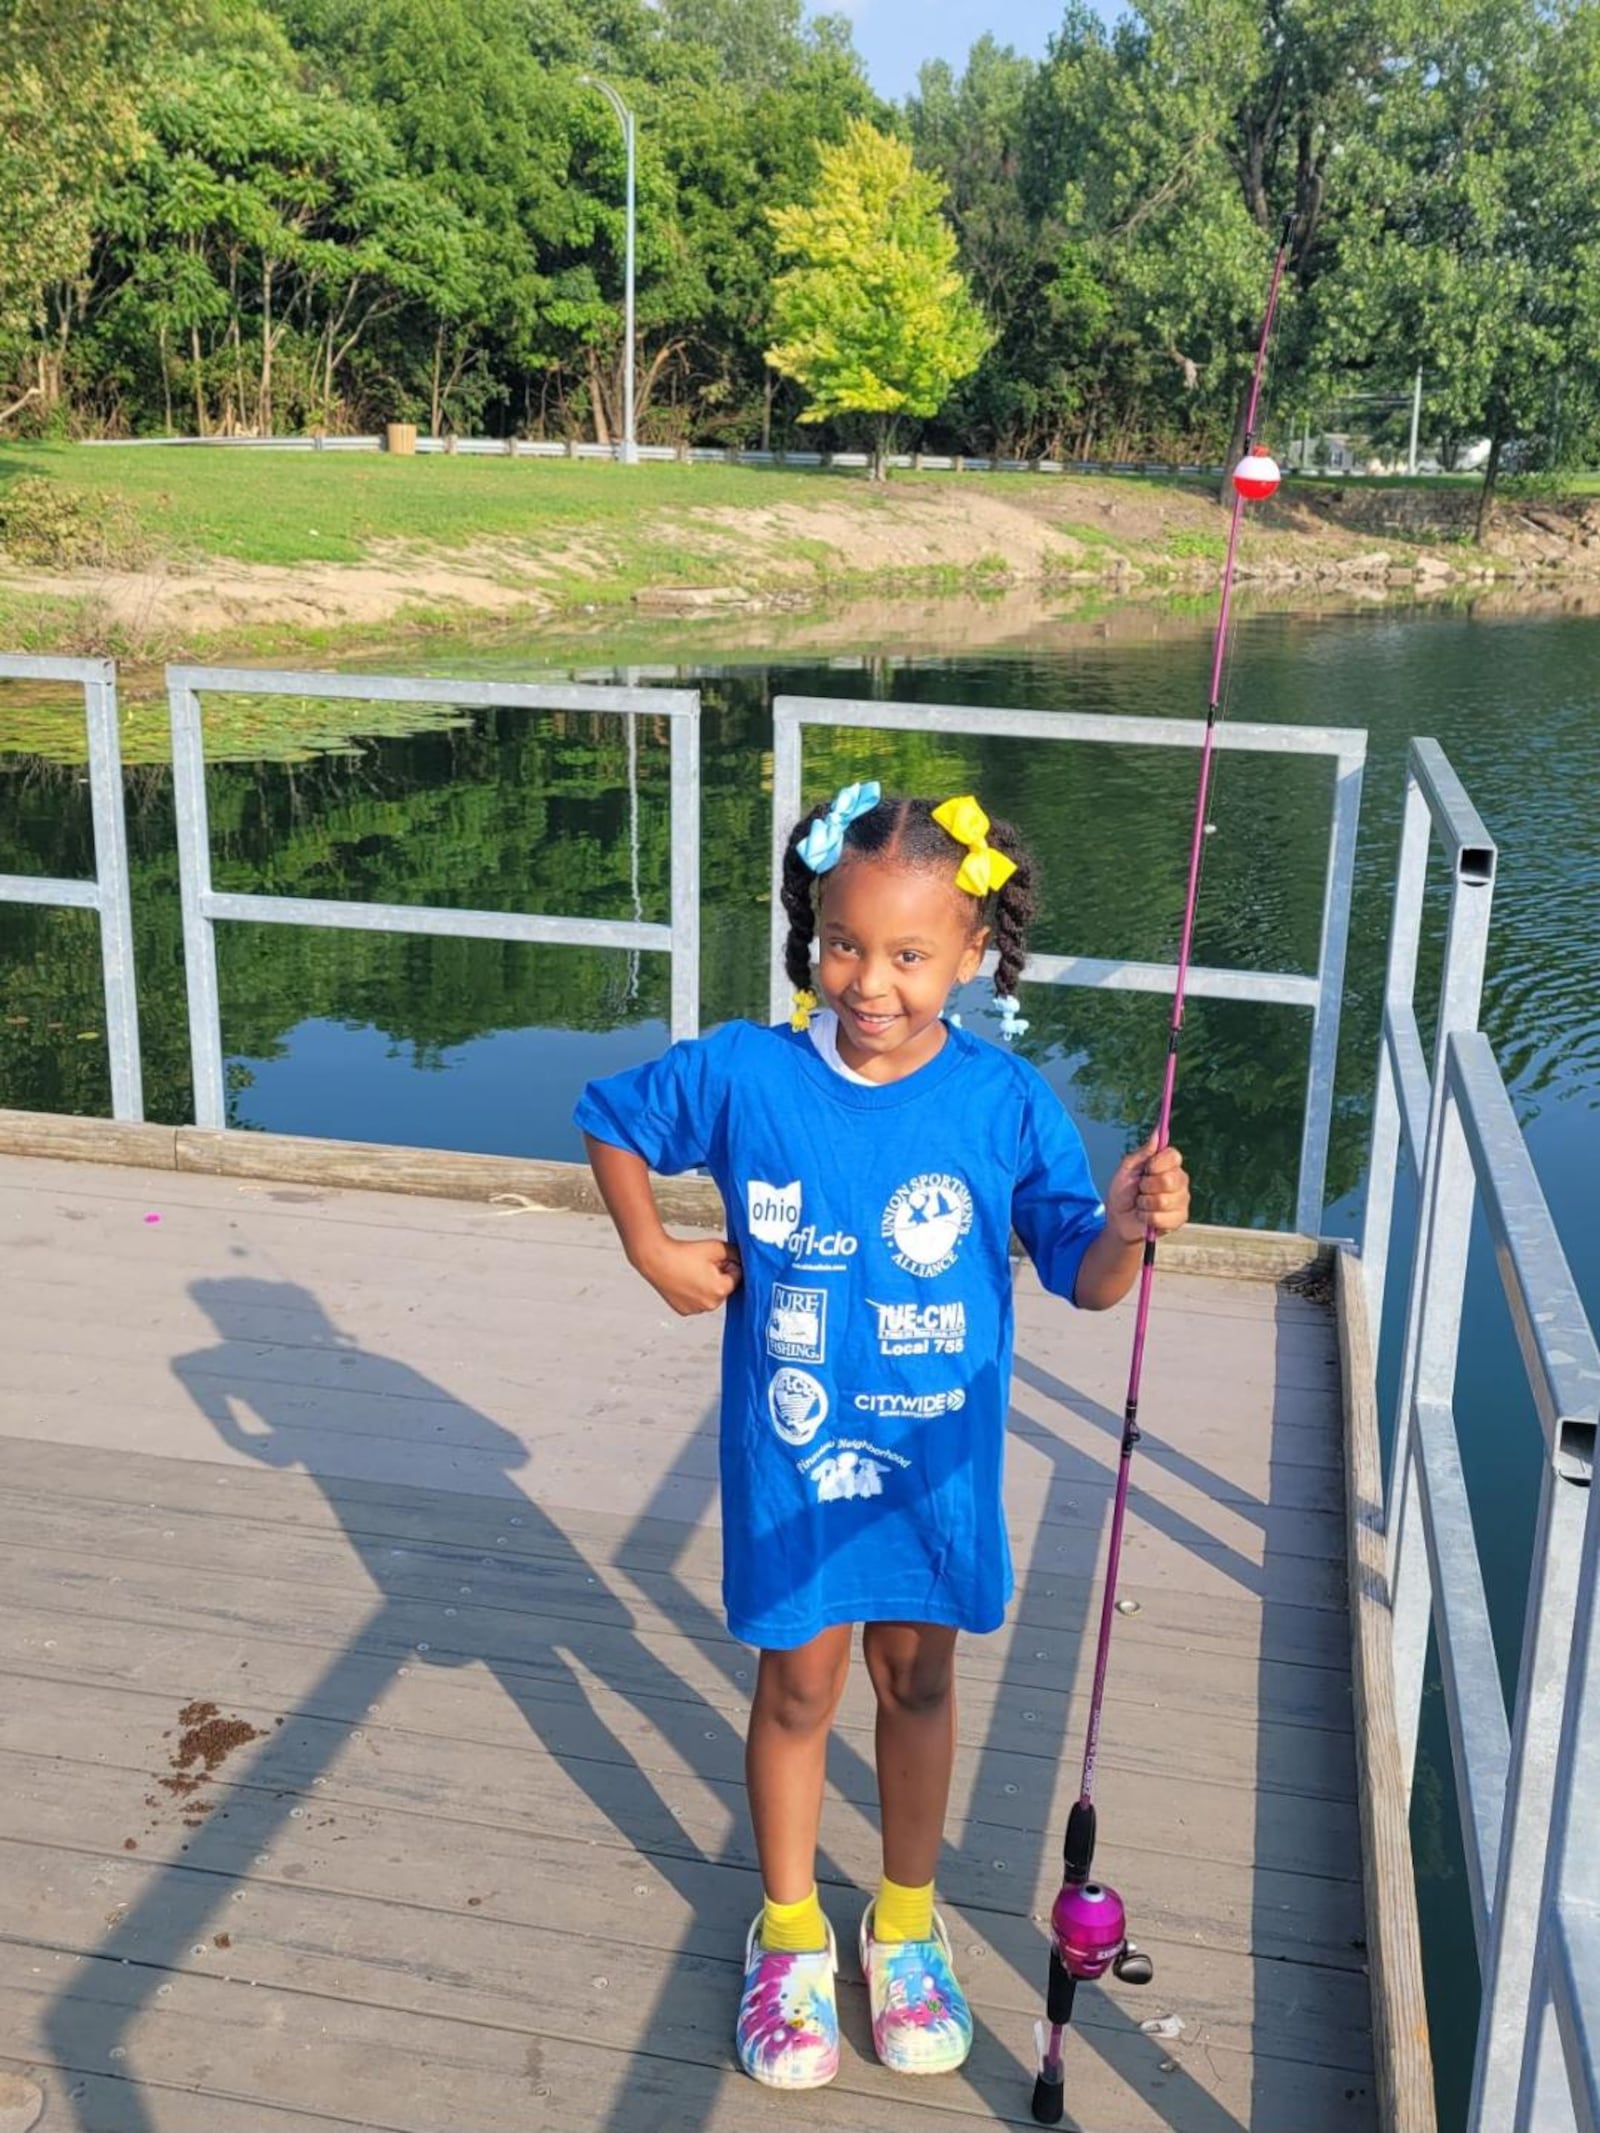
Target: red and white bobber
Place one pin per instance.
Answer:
(1257, 476)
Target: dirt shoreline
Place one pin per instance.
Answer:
(910, 546)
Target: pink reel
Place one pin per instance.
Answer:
(1090, 1929)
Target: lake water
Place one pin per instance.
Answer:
(482, 1046)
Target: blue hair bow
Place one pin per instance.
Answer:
(823, 844)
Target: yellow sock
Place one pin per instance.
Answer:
(901, 1913)
(793, 1928)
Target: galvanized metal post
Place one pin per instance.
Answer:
(1318, 1124)
(1564, 1991)
(108, 894)
(1505, 2028)
(1472, 861)
(1389, 1101)
(685, 864)
(1435, 1334)
(194, 879)
(116, 903)
(786, 811)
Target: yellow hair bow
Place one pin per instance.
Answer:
(805, 1006)
(984, 869)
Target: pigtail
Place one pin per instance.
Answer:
(799, 902)
(1015, 907)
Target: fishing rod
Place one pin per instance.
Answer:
(1088, 1923)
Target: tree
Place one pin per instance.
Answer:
(68, 125)
(874, 316)
(1477, 257)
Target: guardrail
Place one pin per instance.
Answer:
(1530, 1830)
(1321, 990)
(203, 905)
(685, 454)
(107, 895)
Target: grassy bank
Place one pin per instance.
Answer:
(160, 553)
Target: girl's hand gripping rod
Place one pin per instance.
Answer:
(1088, 1927)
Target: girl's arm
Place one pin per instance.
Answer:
(690, 1276)
(1150, 1187)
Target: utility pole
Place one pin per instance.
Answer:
(630, 444)
(1416, 419)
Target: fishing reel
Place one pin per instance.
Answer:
(1088, 1937)
(1089, 1933)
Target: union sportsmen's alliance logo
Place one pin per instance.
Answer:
(798, 1405)
(924, 1223)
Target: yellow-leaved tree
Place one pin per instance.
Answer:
(872, 314)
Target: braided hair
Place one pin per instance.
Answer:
(905, 831)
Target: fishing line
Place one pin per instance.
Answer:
(1088, 1923)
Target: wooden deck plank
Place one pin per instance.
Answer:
(672, 1562)
(427, 1593)
(264, 1467)
(607, 1754)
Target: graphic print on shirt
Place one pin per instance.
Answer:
(850, 1469)
(847, 1477)
(921, 1329)
(773, 1210)
(797, 1324)
(798, 1405)
(925, 1221)
(910, 1406)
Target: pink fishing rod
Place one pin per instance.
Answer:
(1088, 1924)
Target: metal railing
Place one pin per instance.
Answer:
(1532, 1882)
(1436, 807)
(107, 895)
(203, 905)
(1321, 990)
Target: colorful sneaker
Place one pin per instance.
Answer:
(788, 2030)
(921, 2023)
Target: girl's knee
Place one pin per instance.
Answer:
(800, 1690)
(913, 1672)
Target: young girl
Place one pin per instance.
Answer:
(873, 1160)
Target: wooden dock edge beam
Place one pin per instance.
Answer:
(1401, 2052)
(556, 1188)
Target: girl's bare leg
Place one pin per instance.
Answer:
(912, 1665)
(785, 1760)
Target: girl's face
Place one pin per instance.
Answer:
(893, 941)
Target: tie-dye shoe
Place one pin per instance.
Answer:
(921, 2023)
(788, 2031)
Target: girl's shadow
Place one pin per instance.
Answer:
(285, 1386)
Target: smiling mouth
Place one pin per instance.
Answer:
(872, 1024)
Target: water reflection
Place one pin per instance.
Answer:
(504, 811)
(483, 1045)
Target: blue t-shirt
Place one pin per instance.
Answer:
(866, 1358)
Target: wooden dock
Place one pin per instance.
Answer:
(420, 1496)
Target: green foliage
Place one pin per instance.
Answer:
(873, 315)
(44, 524)
(291, 213)
(68, 124)
(1478, 260)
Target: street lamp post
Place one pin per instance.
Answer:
(630, 443)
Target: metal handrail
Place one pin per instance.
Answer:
(203, 906)
(1436, 808)
(1322, 990)
(1532, 1837)
(107, 895)
(1508, 1776)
